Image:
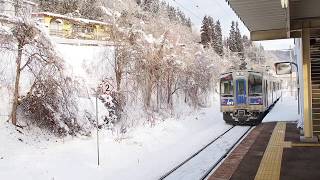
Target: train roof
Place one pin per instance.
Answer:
(246, 70)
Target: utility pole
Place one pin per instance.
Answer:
(97, 121)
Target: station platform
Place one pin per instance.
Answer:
(271, 151)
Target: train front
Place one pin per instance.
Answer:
(241, 97)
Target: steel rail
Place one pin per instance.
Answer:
(195, 154)
(225, 154)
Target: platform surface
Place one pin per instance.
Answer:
(271, 151)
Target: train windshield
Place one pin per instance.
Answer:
(226, 86)
(255, 84)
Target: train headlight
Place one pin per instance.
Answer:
(227, 102)
(239, 73)
(230, 103)
(256, 101)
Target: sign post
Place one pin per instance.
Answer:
(97, 121)
(104, 88)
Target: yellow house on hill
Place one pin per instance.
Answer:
(74, 28)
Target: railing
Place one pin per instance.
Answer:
(79, 35)
(53, 32)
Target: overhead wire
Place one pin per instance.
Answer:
(194, 14)
(227, 13)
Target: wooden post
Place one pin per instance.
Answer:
(307, 107)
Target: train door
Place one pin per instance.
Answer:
(241, 94)
(272, 90)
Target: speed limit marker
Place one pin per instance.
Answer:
(105, 87)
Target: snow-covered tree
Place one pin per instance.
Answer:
(206, 32)
(246, 41)
(238, 40)
(48, 98)
(212, 32)
(24, 34)
(232, 41)
(218, 45)
(90, 9)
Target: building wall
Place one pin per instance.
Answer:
(65, 28)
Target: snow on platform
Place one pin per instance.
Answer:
(286, 109)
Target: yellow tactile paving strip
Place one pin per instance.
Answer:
(270, 165)
(304, 145)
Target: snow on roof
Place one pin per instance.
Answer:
(30, 2)
(81, 20)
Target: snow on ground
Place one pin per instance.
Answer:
(286, 109)
(198, 166)
(144, 153)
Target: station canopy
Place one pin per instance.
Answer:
(277, 19)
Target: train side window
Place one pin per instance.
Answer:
(255, 85)
(226, 86)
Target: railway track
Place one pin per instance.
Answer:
(188, 162)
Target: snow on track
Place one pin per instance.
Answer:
(200, 164)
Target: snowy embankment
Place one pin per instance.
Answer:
(145, 153)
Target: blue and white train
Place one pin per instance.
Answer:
(247, 95)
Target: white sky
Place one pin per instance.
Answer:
(219, 9)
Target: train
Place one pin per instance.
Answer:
(247, 95)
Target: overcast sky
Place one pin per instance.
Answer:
(219, 9)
